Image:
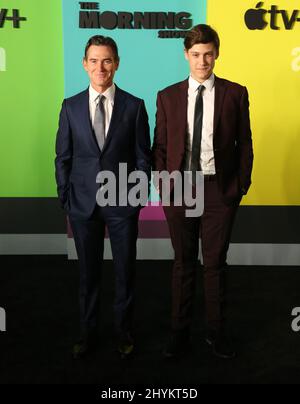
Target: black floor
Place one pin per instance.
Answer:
(39, 295)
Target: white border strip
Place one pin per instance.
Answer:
(148, 249)
(33, 244)
(238, 254)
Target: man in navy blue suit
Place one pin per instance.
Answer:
(99, 129)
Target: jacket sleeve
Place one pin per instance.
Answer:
(245, 144)
(63, 160)
(142, 142)
(159, 149)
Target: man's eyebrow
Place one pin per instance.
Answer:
(198, 53)
(95, 58)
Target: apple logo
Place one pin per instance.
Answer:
(254, 18)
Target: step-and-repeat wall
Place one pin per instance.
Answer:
(41, 50)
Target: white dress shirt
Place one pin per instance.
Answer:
(207, 158)
(108, 104)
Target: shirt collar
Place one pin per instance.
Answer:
(208, 84)
(109, 93)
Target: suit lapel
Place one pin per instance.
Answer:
(119, 105)
(85, 120)
(180, 114)
(220, 90)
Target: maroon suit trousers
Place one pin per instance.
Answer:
(214, 228)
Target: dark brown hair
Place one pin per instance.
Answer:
(100, 40)
(202, 33)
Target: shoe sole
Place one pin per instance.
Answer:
(222, 356)
(168, 355)
(217, 354)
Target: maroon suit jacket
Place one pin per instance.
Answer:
(232, 140)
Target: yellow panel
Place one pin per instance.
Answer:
(267, 61)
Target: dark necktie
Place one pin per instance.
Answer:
(99, 122)
(197, 134)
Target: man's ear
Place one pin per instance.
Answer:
(84, 63)
(186, 54)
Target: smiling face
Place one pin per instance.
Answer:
(100, 65)
(201, 58)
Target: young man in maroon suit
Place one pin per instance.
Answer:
(202, 124)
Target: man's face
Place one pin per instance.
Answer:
(201, 58)
(101, 66)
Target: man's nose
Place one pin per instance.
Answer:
(201, 60)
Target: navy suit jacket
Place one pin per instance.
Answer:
(79, 159)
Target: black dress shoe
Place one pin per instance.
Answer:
(84, 346)
(125, 347)
(178, 344)
(221, 344)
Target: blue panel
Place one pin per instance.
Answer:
(148, 63)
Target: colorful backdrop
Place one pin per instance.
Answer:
(41, 49)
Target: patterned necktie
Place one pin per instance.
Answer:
(99, 122)
(197, 135)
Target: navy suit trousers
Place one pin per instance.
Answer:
(89, 239)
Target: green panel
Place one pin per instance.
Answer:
(31, 92)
